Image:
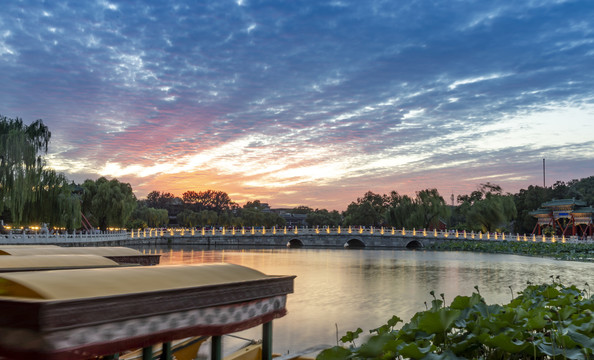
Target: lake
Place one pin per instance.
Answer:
(364, 288)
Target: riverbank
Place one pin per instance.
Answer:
(557, 250)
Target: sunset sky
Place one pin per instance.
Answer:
(306, 102)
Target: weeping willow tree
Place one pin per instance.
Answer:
(28, 191)
(54, 202)
(21, 163)
(108, 203)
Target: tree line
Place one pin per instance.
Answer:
(32, 193)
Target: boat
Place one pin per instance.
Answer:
(105, 312)
(184, 349)
(27, 281)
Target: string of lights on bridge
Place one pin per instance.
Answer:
(251, 231)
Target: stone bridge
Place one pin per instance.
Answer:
(353, 241)
(294, 238)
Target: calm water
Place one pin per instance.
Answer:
(364, 288)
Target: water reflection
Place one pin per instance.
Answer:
(364, 288)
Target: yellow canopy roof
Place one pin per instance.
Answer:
(53, 261)
(25, 246)
(88, 283)
(50, 250)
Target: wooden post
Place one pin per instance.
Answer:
(166, 353)
(147, 353)
(216, 348)
(267, 341)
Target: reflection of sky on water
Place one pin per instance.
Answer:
(364, 288)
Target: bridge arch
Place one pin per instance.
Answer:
(295, 243)
(354, 244)
(415, 244)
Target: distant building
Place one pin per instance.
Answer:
(442, 225)
(291, 219)
(565, 217)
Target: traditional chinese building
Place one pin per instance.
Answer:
(565, 217)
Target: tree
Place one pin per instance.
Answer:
(256, 204)
(530, 199)
(487, 208)
(208, 218)
(321, 217)
(492, 211)
(583, 189)
(429, 207)
(218, 201)
(301, 210)
(527, 200)
(55, 203)
(361, 214)
(399, 211)
(252, 217)
(21, 163)
(151, 217)
(367, 210)
(109, 203)
(160, 200)
(187, 218)
(272, 219)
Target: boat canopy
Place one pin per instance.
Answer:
(48, 262)
(90, 283)
(56, 250)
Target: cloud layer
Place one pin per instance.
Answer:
(306, 102)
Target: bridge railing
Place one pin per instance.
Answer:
(355, 231)
(274, 231)
(14, 238)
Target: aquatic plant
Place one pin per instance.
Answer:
(558, 250)
(548, 321)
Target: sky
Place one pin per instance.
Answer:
(306, 102)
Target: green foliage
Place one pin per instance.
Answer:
(322, 217)
(543, 322)
(301, 210)
(21, 164)
(557, 250)
(187, 218)
(253, 214)
(429, 208)
(145, 216)
(368, 210)
(207, 218)
(108, 203)
(527, 200)
(487, 209)
(55, 202)
(492, 211)
(398, 214)
(218, 201)
(424, 211)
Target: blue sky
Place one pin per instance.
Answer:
(306, 102)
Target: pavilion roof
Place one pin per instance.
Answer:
(563, 202)
(583, 210)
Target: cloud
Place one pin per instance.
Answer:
(294, 99)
